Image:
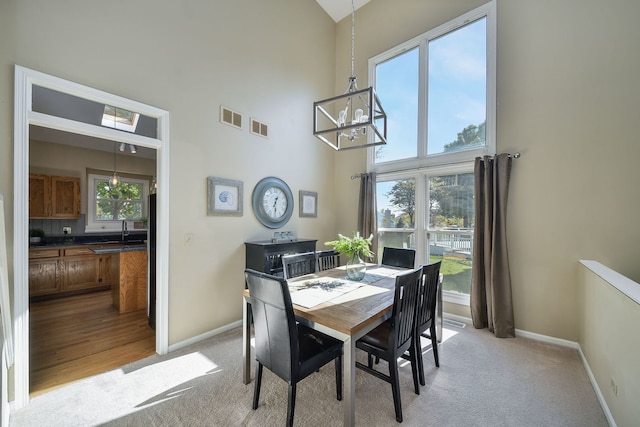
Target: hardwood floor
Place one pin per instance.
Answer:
(84, 335)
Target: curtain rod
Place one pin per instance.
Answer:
(514, 155)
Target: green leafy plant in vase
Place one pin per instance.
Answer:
(354, 248)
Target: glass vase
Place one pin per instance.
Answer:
(356, 268)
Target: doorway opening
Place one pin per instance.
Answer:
(24, 117)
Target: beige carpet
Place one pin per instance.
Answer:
(482, 381)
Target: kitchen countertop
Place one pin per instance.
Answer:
(119, 248)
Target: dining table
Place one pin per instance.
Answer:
(330, 302)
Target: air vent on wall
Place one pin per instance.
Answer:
(258, 128)
(230, 117)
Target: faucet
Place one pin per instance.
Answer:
(125, 231)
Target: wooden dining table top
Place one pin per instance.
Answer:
(354, 310)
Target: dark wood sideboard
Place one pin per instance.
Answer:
(266, 256)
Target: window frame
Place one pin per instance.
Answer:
(95, 226)
(424, 166)
(487, 11)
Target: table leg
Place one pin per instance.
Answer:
(246, 342)
(439, 319)
(349, 381)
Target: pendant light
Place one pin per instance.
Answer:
(352, 120)
(115, 179)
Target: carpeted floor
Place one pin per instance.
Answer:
(482, 381)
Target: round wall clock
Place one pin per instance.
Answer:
(272, 202)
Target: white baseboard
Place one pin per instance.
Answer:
(197, 338)
(560, 342)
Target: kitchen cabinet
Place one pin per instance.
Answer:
(54, 196)
(81, 269)
(58, 270)
(45, 272)
(131, 292)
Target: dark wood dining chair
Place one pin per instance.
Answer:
(295, 265)
(426, 315)
(398, 257)
(391, 339)
(327, 259)
(290, 350)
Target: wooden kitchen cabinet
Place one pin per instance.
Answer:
(45, 272)
(131, 291)
(54, 196)
(81, 269)
(58, 270)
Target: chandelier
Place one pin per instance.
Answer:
(352, 120)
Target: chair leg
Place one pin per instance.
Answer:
(414, 355)
(434, 344)
(370, 360)
(256, 389)
(339, 377)
(418, 353)
(291, 404)
(395, 389)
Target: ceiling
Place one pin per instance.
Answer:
(339, 9)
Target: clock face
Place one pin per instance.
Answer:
(272, 202)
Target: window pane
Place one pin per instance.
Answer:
(457, 89)
(396, 203)
(397, 89)
(396, 214)
(451, 216)
(120, 202)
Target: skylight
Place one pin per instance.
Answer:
(118, 118)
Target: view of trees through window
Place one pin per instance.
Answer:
(438, 91)
(119, 202)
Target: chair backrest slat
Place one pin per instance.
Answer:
(328, 259)
(428, 294)
(295, 265)
(404, 307)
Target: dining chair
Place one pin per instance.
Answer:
(392, 338)
(398, 257)
(327, 259)
(426, 315)
(295, 265)
(290, 350)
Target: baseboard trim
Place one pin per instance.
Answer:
(461, 319)
(197, 338)
(561, 342)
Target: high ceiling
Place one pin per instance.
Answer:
(338, 9)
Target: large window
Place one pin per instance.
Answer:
(438, 91)
(110, 205)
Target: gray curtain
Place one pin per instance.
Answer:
(491, 305)
(367, 218)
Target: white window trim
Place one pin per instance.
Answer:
(487, 10)
(94, 226)
(423, 166)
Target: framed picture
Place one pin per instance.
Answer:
(308, 204)
(224, 196)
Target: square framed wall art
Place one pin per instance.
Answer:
(308, 204)
(224, 196)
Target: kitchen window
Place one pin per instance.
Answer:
(438, 91)
(110, 205)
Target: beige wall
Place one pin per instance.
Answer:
(266, 60)
(568, 100)
(608, 338)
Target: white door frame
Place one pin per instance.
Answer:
(25, 116)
